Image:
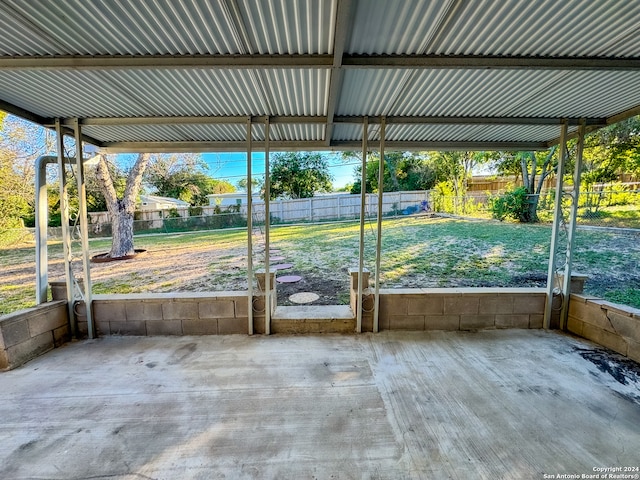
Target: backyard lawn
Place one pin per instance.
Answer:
(417, 251)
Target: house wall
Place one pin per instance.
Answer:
(26, 334)
(611, 325)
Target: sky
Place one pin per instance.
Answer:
(232, 167)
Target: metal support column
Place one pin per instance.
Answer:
(249, 231)
(42, 215)
(267, 226)
(376, 307)
(363, 199)
(64, 218)
(575, 197)
(84, 229)
(557, 220)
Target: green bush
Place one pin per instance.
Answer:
(512, 204)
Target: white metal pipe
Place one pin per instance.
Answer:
(363, 199)
(84, 230)
(64, 218)
(249, 232)
(566, 284)
(376, 306)
(267, 226)
(555, 231)
(42, 214)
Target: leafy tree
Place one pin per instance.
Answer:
(299, 175)
(184, 177)
(402, 171)
(256, 184)
(121, 208)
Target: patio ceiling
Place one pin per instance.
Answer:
(187, 76)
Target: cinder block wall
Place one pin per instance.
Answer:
(457, 308)
(29, 333)
(210, 313)
(614, 326)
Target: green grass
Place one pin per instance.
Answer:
(416, 252)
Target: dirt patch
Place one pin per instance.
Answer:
(330, 291)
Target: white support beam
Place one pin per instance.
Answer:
(249, 229)
(84, 231)
(267, 232)
(555, 230)
(363, 200)
(64, 219)
(376, 307)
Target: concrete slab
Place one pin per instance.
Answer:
(514, 404)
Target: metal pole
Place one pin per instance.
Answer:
(557, 218)
(64, 218)
(84, 229)
(42, 213)
(267, 226)
(363, 199)
(376, 306)
(566, 284)
(249, 231)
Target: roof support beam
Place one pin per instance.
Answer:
(464, 62)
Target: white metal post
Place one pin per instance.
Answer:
(363, 199)
(376, 307)
(249, 231)
(566, 284)
(267, 226)
(64, 218)
(555, 231)
(84, 229)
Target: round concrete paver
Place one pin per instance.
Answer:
(289, 279)
(282, 266)
(304, 297)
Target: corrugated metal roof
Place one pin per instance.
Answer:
(293, 59)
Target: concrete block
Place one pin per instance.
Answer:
(425, 305)
(15, 331)
(103, 328)
(230, 326)
(47, 321)
(143, 311)
(82, 330)
(634, 350)
(241, 307)
(4, 361)
(536, 320)
(200, 327)
(109, 311)
(128, 328)
(35, 346)
(367, 323)
(394, 304)
(61, 335)
(180, 310)
(166, 327)
(624, 325)
(512, 321)
(495, 304)
(406, 322)
(258, 325)
(383, 320)
(574, 325)
(606, 339)
(442, 322)
(353, 273)
(216, 309)
(591, 313)
(472, 322)
(461, 305)
(531, 303)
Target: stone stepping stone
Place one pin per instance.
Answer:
(274, 251)
(289, 279)
(304, 297)
(282, 266)
(276, 258)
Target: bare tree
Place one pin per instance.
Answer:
(121, 210)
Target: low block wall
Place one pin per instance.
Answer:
(611, 325)
(29, 333)
(456, 308)
(207, 313)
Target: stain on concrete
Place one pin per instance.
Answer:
(183, 353)
(622, 369)
(151, 365)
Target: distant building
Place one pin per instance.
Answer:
(154, 202)
(225, 200)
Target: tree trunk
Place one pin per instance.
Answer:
(122, 234)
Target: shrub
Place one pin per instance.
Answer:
(513, 204)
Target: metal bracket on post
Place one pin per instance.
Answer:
(363, 199)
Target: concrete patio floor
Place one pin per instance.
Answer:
(488, 405)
